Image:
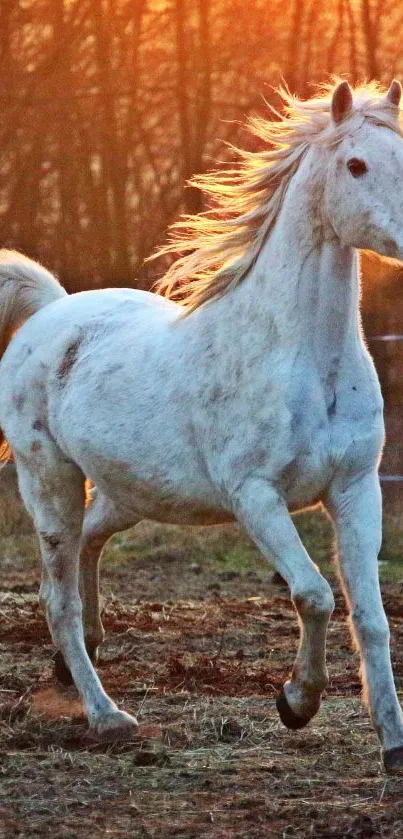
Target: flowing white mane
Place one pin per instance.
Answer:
(218, 247)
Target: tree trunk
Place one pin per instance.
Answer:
(294, 44)
(183, 103)
(370, 30)
(114, 170)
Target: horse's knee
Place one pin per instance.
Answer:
(314, 601)
(370, 629)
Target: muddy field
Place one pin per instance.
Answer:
(198, 651)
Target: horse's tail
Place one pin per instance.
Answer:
(25, 287)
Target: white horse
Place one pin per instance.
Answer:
(254, 397)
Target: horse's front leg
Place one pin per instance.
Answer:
(264, 514)
(357, 512)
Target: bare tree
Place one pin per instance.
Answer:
(370, 14)
(294, 44)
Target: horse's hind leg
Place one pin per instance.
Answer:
(53, 491)
(101, 520)
(264, 514)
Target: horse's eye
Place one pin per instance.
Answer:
(357, 167)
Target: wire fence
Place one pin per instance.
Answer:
(387, 352)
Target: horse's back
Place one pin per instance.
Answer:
(85, 317)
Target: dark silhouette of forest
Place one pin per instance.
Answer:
(107, 107)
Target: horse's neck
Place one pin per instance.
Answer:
(305, 280)
(326, 296)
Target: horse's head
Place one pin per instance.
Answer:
(364, 187)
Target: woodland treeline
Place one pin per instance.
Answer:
(107, 107)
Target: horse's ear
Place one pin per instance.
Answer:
(342, 102)
(394, 93)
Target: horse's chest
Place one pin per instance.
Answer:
(329, 444)
(305, 477)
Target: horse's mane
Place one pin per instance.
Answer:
(218, 247)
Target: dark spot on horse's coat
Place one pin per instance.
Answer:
(331, 410)
(250, 461)
(38, 425)
(36, 446)
(114, 368)
(216, 393)
(290, 474)
(19, 401)
(68, 360)
(25, 351)
(354, 387)
(50, 540)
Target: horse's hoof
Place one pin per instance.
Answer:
(63, 673)
(287, 715)
(393, 761)
(117, 725)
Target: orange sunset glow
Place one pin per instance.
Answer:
(109, 106)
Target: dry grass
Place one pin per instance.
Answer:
(216, 769)
(198, 644)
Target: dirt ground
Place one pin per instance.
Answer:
(199, 655)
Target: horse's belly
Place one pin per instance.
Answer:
(163, 493)
(145, 499)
